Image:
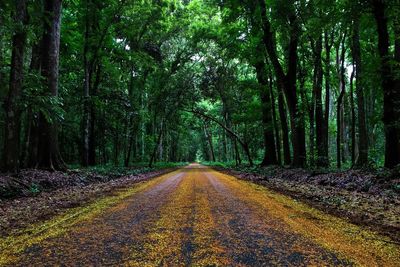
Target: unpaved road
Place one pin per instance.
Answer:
(197, 217)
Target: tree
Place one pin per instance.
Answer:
(322, 145)
(362, 127)
(268, 127)
(49, 156)
(288, 81)
(271, 80)
(12, 104)
(390, 85)
(342, 91)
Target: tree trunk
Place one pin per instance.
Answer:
(310, 107)
(244, 144)
(325, 128)
(89, 89)
(2, 61)
(288, 81)
(362, 127)
(154, 154)
(391, 87)
(339, 107)
(92, 116)
(322, 157)
(210, 142)
(396, 100)
(275, 121)
(339, 130)
(86, 90)
(33, 129)
(285, 130)
(237, 154)
(130, 144)
(268, 129)
(12, 109)
(116, 147)
(353, 120)
(49, 156)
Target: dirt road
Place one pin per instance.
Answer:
(196, 216)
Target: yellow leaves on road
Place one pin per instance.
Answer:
(12, 246)
(199, 217)
(361, 246)
(183, 234)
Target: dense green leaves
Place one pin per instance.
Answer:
(176, 80)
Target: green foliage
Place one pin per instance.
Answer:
(135, 169)
(151, 63)
(34, 189)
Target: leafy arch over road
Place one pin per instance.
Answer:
(286, 83)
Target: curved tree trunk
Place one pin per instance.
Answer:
(244, 145)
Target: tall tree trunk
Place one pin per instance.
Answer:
(285, 129)
(30, 144)
(275, 121)
(154, 154)
(224, 150)
(130, 137)
(92, 67)
(339, 107)
(362, 127)
(237, 154)
(339, 129)
(86, 89)
(390, 86)
(116, 147)
(288, 81)
(322, 160)
(310, 107)
(268, 130)
(353, 120)
(325, 128)
(2, 63)
(49, 156)
(33, 129)
(12, 109)
(210, 142)
(92, 116)
(396, 100)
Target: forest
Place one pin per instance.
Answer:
(311, 84)
(200, 132)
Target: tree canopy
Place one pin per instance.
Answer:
(311, 83)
